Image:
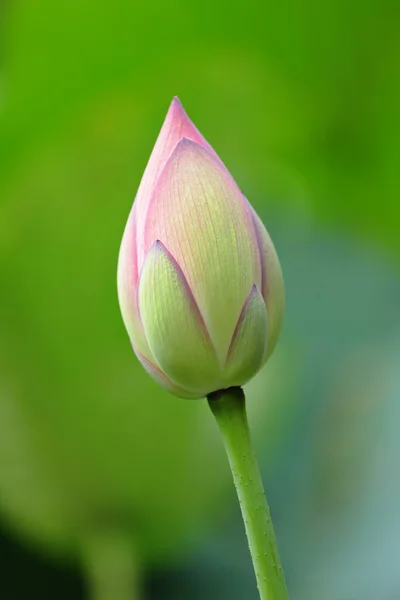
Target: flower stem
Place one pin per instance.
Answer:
(229, 409)
(111, 567)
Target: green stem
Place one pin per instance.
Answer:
(229, 409)
(111, 567)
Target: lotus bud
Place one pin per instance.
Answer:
(199, 281)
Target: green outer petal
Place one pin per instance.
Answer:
(273, 289)
(249, 341)
(162, 380)
(200, 215)
(173, 325)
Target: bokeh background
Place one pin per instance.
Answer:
(99, 469)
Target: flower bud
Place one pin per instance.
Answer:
(199, 281)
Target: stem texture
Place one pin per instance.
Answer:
(229, 409)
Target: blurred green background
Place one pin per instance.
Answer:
(98, 467)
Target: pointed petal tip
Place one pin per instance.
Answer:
(161, 249)
(185, 145)
(249, 340)
(254, 290)
(176, 102)
(178, 125)
(176, 110)
(158, 246)
(186, 142)
(254, 293)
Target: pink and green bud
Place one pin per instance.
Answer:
(199, 281)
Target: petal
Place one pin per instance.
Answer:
(200, 215)
(247, 349)
(173, 326)
(127, 283)
(176, 126)
(273, 290)
(162, 379)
